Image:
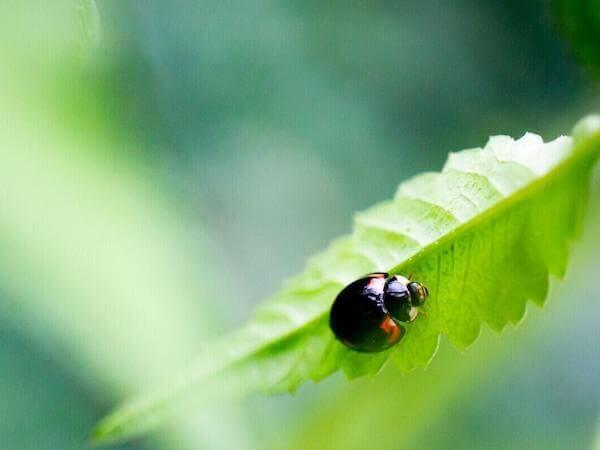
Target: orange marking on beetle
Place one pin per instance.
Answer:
(391, 328)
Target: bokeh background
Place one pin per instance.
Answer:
(165, 165)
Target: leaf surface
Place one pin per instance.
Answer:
(484, 234)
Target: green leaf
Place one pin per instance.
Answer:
(483, 235)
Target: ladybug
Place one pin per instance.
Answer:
(367, 314)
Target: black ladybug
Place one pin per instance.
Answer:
(366, 314)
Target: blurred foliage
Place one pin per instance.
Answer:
(580, 22)
(209, 148)
(100, 266)
(90, 27)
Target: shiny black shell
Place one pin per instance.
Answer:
(366, 314)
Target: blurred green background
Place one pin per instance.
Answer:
(162, 174)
